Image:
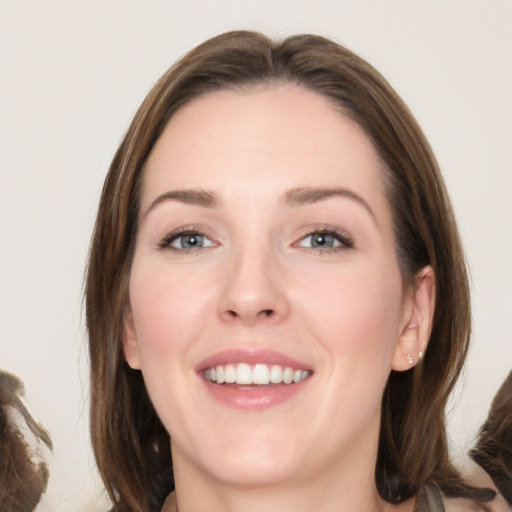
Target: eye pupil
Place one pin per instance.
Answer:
(322, 240)
(189, 241)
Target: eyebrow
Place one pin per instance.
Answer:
(195, 197)
(294, 197)
(308, 195)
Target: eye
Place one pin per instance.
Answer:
(186, 241)
(326, 240)
(320, 240)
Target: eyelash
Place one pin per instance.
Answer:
(166, 242)
(344, 239)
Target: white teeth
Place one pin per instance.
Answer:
(243, 374)
(229, 374)
(288, 375)
(276, 374)
(259, 374)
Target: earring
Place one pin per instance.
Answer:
(409, 359)
(420, 355)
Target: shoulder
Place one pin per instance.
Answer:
(498, 504)
(430, 499)
(460, 505)
(170, 503)
(479, 478)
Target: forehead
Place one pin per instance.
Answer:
(283, 135)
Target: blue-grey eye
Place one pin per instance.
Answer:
(326, 240)
(322, 240)
(189, 241)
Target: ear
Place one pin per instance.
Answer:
(418, 312)
(130, 342)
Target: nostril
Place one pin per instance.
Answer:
(264, 313)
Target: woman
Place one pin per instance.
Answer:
(276, 295)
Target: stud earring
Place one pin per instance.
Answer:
(421, 355)
(409, 359)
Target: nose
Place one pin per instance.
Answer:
(253, 290)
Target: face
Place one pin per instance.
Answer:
(267, 305)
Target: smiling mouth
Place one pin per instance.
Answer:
(257, 375)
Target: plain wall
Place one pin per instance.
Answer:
(71, 77)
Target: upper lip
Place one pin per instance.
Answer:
(261, 356)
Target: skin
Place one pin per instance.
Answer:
(258, 283)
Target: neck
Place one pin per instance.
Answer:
(278, 498)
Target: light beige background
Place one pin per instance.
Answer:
(71, 76)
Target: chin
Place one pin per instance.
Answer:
(249, 463)
(255, 473)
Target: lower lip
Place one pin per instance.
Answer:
(254, 398)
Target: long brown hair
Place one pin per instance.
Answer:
(130, 444)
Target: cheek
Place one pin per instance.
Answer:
(356, 313)
(167, 311)
(169, 315)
